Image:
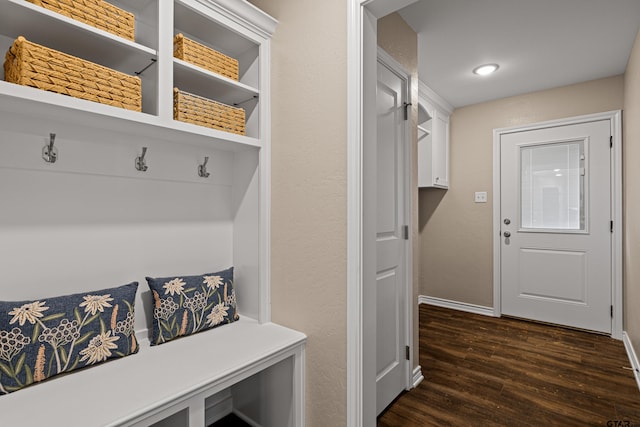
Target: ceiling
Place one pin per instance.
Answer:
(539, 44)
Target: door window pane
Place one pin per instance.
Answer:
(552, 186)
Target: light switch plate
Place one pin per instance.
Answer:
(481, 197)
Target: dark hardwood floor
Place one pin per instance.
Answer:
(484, 371)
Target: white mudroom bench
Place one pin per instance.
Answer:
(253, 370)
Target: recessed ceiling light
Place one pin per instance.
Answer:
(486, 69)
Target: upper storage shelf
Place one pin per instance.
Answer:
(191, 20)
(424, 121)
(211, 85)
(237, 29)
(45, 27)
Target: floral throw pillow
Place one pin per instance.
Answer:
(184, 305)
(43, 338)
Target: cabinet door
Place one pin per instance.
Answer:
(440, 151)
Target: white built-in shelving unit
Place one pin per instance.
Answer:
(91, 220)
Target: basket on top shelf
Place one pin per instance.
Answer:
(30, 64)
(205, 57)
(97, 13)
(201, 111)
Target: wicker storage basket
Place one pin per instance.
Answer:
(205, 57)
(201, 111)
(30, 64)
(97, 13)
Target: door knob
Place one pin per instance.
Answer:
(506, 234)
(507, 221)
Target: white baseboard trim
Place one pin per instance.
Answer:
(455, 305)
(417, 376)
(635, 364)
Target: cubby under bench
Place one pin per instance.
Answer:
(253, 370)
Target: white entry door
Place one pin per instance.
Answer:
(391, 246)
(556, 225)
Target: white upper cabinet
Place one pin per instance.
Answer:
(433, 139)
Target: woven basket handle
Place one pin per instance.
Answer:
(12, 52)
(11, 58)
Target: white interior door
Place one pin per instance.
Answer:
(556, 239)
(391, 246)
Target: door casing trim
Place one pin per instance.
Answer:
(615, 120)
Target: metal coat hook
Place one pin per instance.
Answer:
(202, 169)
(140, 163)
(406, 106)
(49, 152)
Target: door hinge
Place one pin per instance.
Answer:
(407, 351)
(612, 312)
(611, 226)
(610, 141)
(405, 232)
(406, 110)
